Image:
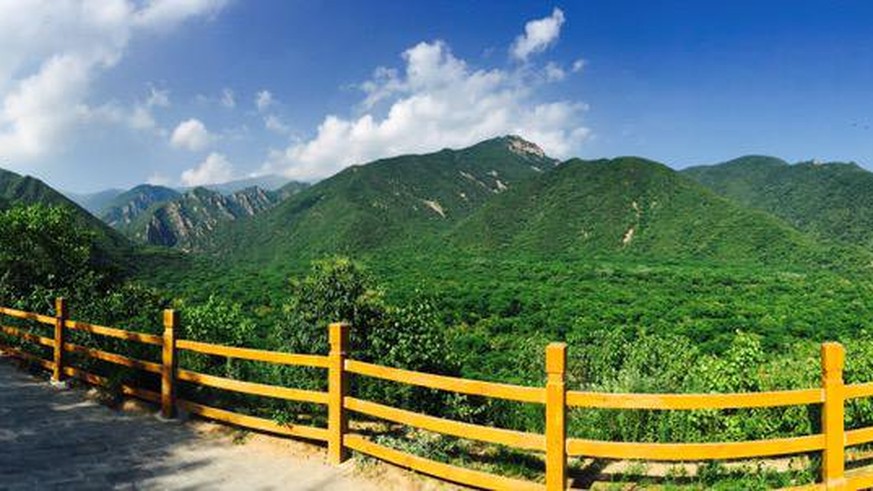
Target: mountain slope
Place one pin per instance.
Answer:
(129, 205)
(633, 207)
(829, 201)
(400, 200)
(110, 246)
(187, 221)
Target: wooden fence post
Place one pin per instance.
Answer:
(168, 364)
(337, 422)
(556, 417)
(60, 320)
(833, 460)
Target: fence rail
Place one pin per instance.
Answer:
(554, 396)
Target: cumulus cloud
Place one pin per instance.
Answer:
(437, 101)
(215, 169)
(52, 51)
(538, 35)
(192, 135)
(263, 100)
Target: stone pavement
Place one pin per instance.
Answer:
(57, 439)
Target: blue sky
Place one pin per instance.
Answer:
(113, 93)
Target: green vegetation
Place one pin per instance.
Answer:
(826, 200)
(468, 262)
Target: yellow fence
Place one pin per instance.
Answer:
(554, 444)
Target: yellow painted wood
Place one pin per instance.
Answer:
(859, 436)
(112, 332)
(833, 358)
(58, 348)
(694, 401)
(24, 355)
(20, 314)
(693, 451)
(338, 384)
(510, 438)
(855, 391)
(253, 422)
(453, 384)
(33, 338)
(556, 417)
(147, 366)
(251, 387)
(449, 472)
(168, 362)
(127, 390)
(861, 478)
(318, 361)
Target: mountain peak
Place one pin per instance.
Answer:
(522, 147)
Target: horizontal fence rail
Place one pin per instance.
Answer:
(553, 445)
(453, 384)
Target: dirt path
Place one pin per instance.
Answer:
(54, 439)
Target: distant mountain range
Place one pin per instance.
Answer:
(158, 215)
(97, 203)
(505, 196)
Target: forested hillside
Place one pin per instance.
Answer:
(827, 200)
(387, 203)
(110, 246)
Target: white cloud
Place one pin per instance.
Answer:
(554, 72)
(192, 135)
(538, 35)
(215, 169)
(263, 100)
(438, 101)
(274, 124)
(578, 65)
(166, 14)
(51, 52)
(227, 99)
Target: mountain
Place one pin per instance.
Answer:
(110, 246)
(827, 200)
(127, 206)
(268, 182)
(631, 207)
(400, 200)
(187, 221)
(95, 203)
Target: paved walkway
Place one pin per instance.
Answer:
(57, 439)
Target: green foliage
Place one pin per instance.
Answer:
(39, 250)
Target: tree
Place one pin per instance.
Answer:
(42, 250)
